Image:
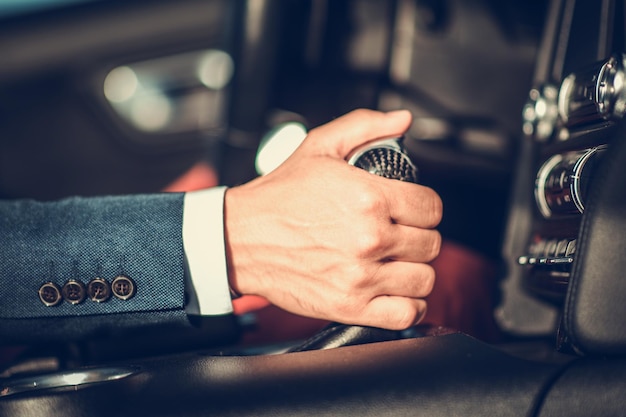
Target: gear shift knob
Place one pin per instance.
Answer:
(386, 158)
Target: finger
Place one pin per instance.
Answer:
(404, 279)
(412, 204)
(341, 136)
(411, 244)
(395, 313)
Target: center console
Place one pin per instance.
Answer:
(570, 126)
(574, 128)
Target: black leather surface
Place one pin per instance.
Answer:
(595, 306)
(337, 335)
(453, 375)
(589, 387)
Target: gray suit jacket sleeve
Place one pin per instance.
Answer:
(78, 240)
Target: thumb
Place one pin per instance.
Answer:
(341, 136)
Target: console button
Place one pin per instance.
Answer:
(551, 248)
(561, 248)
(571, 248)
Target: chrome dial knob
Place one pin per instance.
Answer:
(594, 95)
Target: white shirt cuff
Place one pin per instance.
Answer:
(203, 242)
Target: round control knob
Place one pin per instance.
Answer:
(563, 180)
(610, 89)
(540, 113)
(594, 95)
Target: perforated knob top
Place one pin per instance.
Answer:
(386, 158)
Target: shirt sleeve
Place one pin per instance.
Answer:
(203, 241)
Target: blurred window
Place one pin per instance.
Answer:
(175, 94)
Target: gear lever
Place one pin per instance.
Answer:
(386, 158)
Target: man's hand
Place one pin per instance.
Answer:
(321, 238)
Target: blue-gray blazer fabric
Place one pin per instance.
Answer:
(81, 239)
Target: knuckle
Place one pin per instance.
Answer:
(354, 282)
(434, 247)
(406, 318)
(351, 281)
(361, 112)
(368, 244)
(434, 207)
(369, 237)
(428, 279)
(345, 308)
(369, 200)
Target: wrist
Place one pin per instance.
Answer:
(235, 229)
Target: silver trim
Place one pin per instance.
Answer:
(389, 143)
(610, 88)
(575, 174)
(540, 184)
(578, 169)
(526, 260)
(64, 380)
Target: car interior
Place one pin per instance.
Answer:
(518, 112)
